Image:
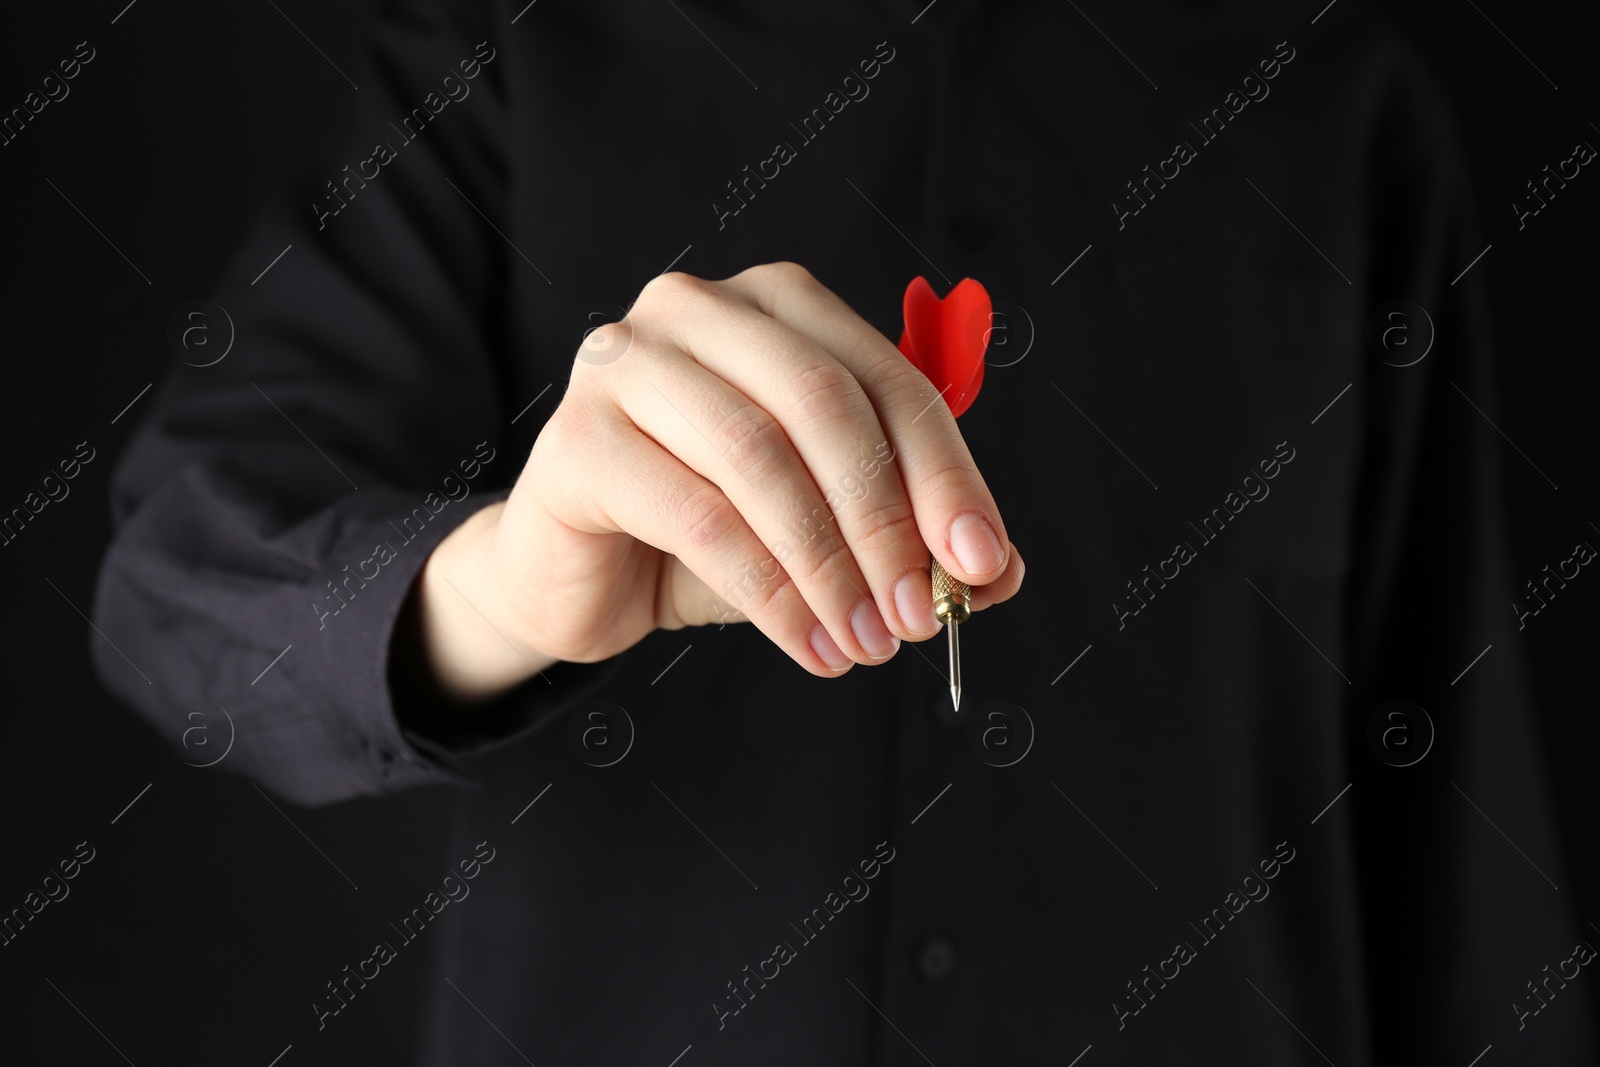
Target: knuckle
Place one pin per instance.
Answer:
(707, 517)
(899, 381)
(747, 437)
(947, 479)
(885, 525)
(769, 597)
(830, 560)
(824, 392)
(568, 432)
(673, 289)
(786, 272)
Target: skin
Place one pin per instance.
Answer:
(688, 462)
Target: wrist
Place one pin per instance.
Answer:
(470, 649)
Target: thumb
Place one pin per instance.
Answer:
(689, 601)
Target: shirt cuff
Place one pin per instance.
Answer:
(396, 739)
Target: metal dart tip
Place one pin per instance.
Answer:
(952, 603)
(954, 630)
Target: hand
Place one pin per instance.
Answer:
(758, 452)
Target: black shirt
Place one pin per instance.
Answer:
(1246, 533)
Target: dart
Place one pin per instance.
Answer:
(945, 340)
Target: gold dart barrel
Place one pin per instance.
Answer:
(952, 600)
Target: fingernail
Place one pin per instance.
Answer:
(874, 636)
(976, 547)
(827, 651)
(913, 598)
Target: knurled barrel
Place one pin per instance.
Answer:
(952, 599)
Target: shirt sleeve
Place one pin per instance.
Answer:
(1457, 854)
(274, 508)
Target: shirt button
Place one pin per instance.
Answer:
(968, 232)
(936, 958)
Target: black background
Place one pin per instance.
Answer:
(178, 941)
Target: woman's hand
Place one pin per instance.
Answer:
(749, 450)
